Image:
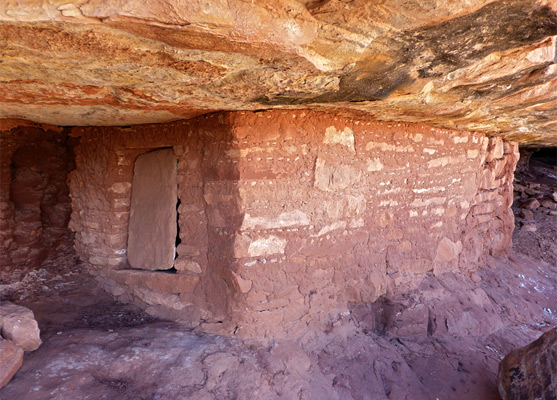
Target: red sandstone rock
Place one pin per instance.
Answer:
(529, 372)
(18, 325)
(447, 250)
(11, 359)
(527, 214)
(548, 204)
(530, 204)
(455, 64)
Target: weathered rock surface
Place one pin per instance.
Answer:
(17, 324)
(529, 372)
(11, 359)
(476, 65)
(425, 344)
(152, 225)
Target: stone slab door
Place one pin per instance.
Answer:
(152, 225)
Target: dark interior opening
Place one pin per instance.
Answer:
(168, 271)
(546, 155)
(178, 240)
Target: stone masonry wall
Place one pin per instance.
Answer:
(287, 216)
(34, 197)
(490, 223)
(101, 194)
(339, 211)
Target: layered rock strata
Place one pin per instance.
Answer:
(480, 65)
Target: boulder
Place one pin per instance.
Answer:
(527, 214)
(529, 372)
(11, 358)
(529, 227)
(530, 204)
(18, 325)
(549, 204)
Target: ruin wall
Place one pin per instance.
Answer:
(287, 216)
(34, 198)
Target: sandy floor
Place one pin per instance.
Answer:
(442, 341)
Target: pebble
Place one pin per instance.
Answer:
(529, 228)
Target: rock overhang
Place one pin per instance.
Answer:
(480, 65)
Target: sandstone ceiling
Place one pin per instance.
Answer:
(466, 64)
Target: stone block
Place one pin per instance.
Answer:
(483, 208)
(152, 222)
(17, 324)
(170, 301)
(447, 250)
(499, 167)
(483, 218)
(284, 220)
(343, 137)
(529, 227)
(157, 281)
(266, 246)
(488, 180)
(495, 149)
(243, 285)
(332, 177)
(486, 196)
(183, 264)
(530, 204)
(548, 204)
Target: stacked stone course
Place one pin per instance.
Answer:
(34, 198)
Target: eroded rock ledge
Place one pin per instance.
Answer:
(475, 65)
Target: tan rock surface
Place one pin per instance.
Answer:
(11, 359)
(476, 65)
(422, 344)
(153, 226)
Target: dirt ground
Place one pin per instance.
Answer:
(443, 340)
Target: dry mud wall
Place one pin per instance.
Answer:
(287, 216)
(34, 197)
